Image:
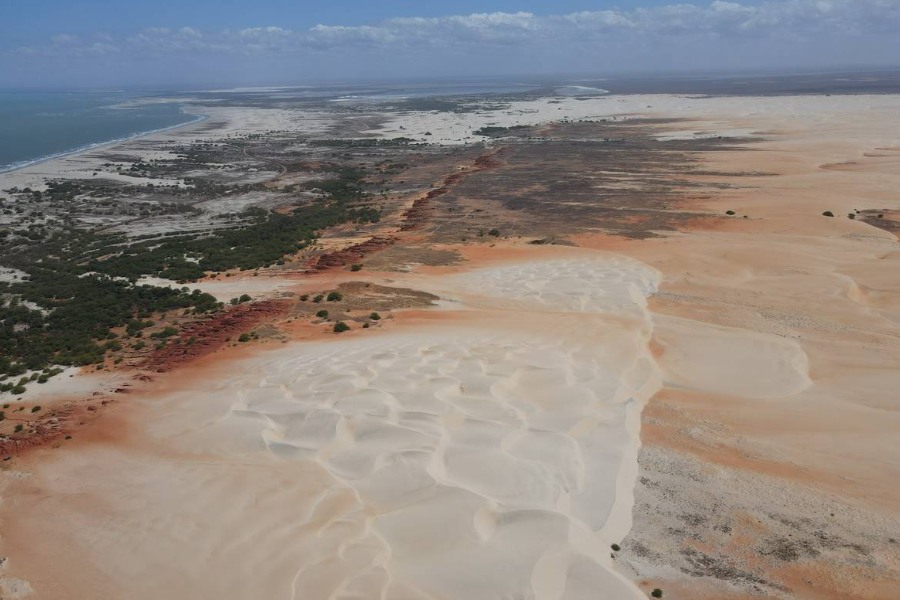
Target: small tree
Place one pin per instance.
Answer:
(322, 314)
(340, 327)
(335, 297)
(375, 316)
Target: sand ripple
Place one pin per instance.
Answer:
(483, 461)
(491, 455)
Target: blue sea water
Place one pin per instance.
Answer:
(39, 125)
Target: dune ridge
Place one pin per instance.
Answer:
(492, 455)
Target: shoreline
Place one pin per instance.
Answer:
(12, 168)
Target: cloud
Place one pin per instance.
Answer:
(717, 19)
(699, 35)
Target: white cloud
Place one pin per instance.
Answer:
(720, 18)
(694, 34)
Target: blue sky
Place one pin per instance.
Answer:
(25, 18)
(56, 43)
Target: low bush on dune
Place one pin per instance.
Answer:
(340, 327)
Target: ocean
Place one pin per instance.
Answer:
(35, 126)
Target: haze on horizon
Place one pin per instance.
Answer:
(52, 44)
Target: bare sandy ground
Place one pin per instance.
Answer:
(492, 448)
(789, 490)
(488, 454)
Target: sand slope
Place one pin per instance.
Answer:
(492, 456)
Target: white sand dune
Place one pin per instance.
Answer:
(491, 456)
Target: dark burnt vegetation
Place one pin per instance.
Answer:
(493, 131)
(362, 143)
(576, 176)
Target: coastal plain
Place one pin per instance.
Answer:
(619, 347)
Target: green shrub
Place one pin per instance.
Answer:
(19, 428)
(35, 409)
(494, 232)
(340, 326)
(245, 337)
(322, 314)
(245, 298)
(375, 316)
(356, 267)
(656, 593)
(335, 297)
(165, 333)
(318, 298)
(304, 297)
(616, 547)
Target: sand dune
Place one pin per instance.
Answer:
(489, 457)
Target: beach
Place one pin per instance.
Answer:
(707, 408)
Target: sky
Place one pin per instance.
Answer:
(201, 43)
